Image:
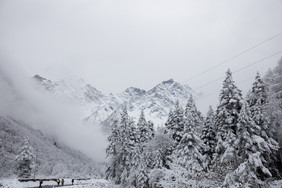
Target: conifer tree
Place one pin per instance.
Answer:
(160, 148)
(113, 150)
(25, 159)
(145, 129)
(258, 100)
(189, 151)
(190, 148)
(208, 135)
(227, 113)
(142, 180)
(249, 147)
(277, 80)
(121, 149)
(176, 176)
(175, 123)
(151, 130)
(274, 106)
(141, 160)
(193, 116)
(226, 119)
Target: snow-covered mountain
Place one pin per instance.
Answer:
(53, 158)
(99, 108)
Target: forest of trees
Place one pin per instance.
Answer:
(235, 145)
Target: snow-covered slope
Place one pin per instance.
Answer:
(53, 158)
(98, 108)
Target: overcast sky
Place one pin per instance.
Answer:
(114, 44)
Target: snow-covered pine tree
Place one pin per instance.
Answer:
(227, 113)
(121, 149)
(151, 129)
(258, 93)
(145, 129)
(134, 163)
(208, 135)
(176, 176)
(141, 159)
(226, 118)
(142, 177)
(274, 106)
(249, 147)
(192, 116)
(24, 161)
(189, 150)
(160, 148)
(130, 144)
(113, 170)
(277, 80)
(258, 100)
(175, 123)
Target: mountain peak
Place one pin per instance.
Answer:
(40, 78)
(170, 81)
(45, 82)
(133, 91)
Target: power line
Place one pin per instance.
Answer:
(258, 61)
(234, 72)
(214, 92)
(235, 56)
(217, 91)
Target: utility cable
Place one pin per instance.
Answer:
(234, 72)
(217, 91)
(235, 56)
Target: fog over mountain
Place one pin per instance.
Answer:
(23, 100)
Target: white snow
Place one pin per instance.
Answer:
(93, 183)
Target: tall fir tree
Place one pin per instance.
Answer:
(145, 129)
(141, 161)
(189, 151)
(277, 80)
(208, 135)
(226, 119)
(193, 116)
(249, 147)
(258, 100)
(227, 113)
(160, 148)
(274, 107)
(113, 170)
(121, 149)
(24, 161)
(176, 176)
(175, 123)
(190, 148)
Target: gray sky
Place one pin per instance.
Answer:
(114, 44)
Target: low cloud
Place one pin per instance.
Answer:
(21, 99)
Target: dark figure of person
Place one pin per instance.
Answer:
(58, 182)
(72, 181)
(40, 183)
(63, 181)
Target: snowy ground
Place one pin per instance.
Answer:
(93, 183)
(276, 184)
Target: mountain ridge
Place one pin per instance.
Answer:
(98, 108)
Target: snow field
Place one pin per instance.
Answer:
(93, 183)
